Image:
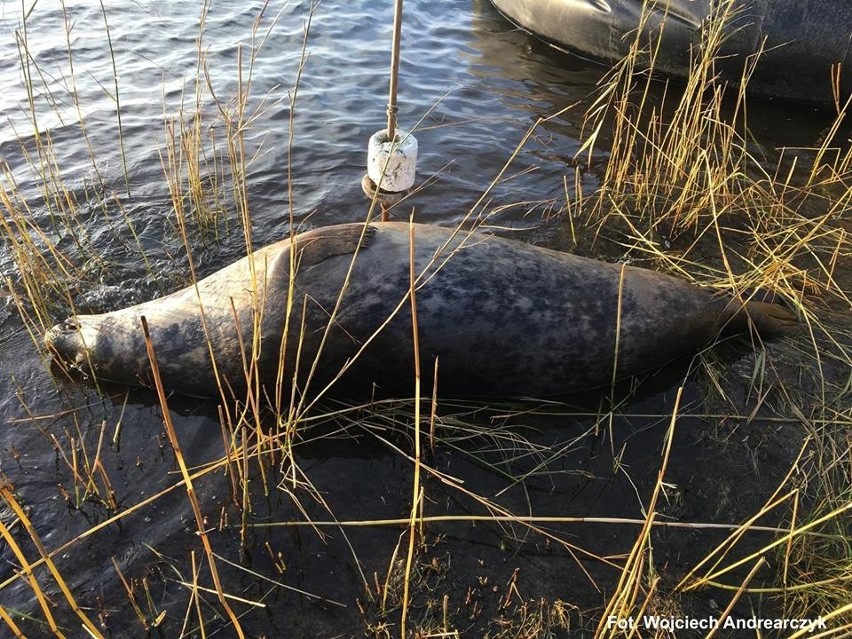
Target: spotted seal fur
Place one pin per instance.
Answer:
(501, 317)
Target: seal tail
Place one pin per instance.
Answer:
(767, 319)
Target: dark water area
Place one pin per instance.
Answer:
(475, 85)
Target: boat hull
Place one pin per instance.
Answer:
(802, 41)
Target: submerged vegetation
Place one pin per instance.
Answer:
(667, 172)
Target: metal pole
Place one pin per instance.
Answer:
(397, 36)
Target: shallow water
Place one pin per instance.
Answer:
(474, 86)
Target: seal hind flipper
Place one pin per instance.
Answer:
(770, 319)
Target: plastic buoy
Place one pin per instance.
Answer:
(392, 165)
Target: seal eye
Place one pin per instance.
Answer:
(70, 324)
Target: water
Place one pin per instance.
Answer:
(474, 85)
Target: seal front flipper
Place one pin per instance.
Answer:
(313, 247)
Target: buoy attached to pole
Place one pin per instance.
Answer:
(392, 164)
(391, 153)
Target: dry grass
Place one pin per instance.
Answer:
(681, 190)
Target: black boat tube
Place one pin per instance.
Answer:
(802, 39)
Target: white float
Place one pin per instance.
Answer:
(392, 165)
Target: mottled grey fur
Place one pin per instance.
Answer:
(502, 318)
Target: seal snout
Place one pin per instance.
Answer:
(65, 341)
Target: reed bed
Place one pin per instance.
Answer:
(679, 190)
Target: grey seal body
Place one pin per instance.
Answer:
(501, 318)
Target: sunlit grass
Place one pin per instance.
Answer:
(681, 190)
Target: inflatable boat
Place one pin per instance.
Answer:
(802, 40)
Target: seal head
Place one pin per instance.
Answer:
(71, 340)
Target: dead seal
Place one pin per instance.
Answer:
(502, 318)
